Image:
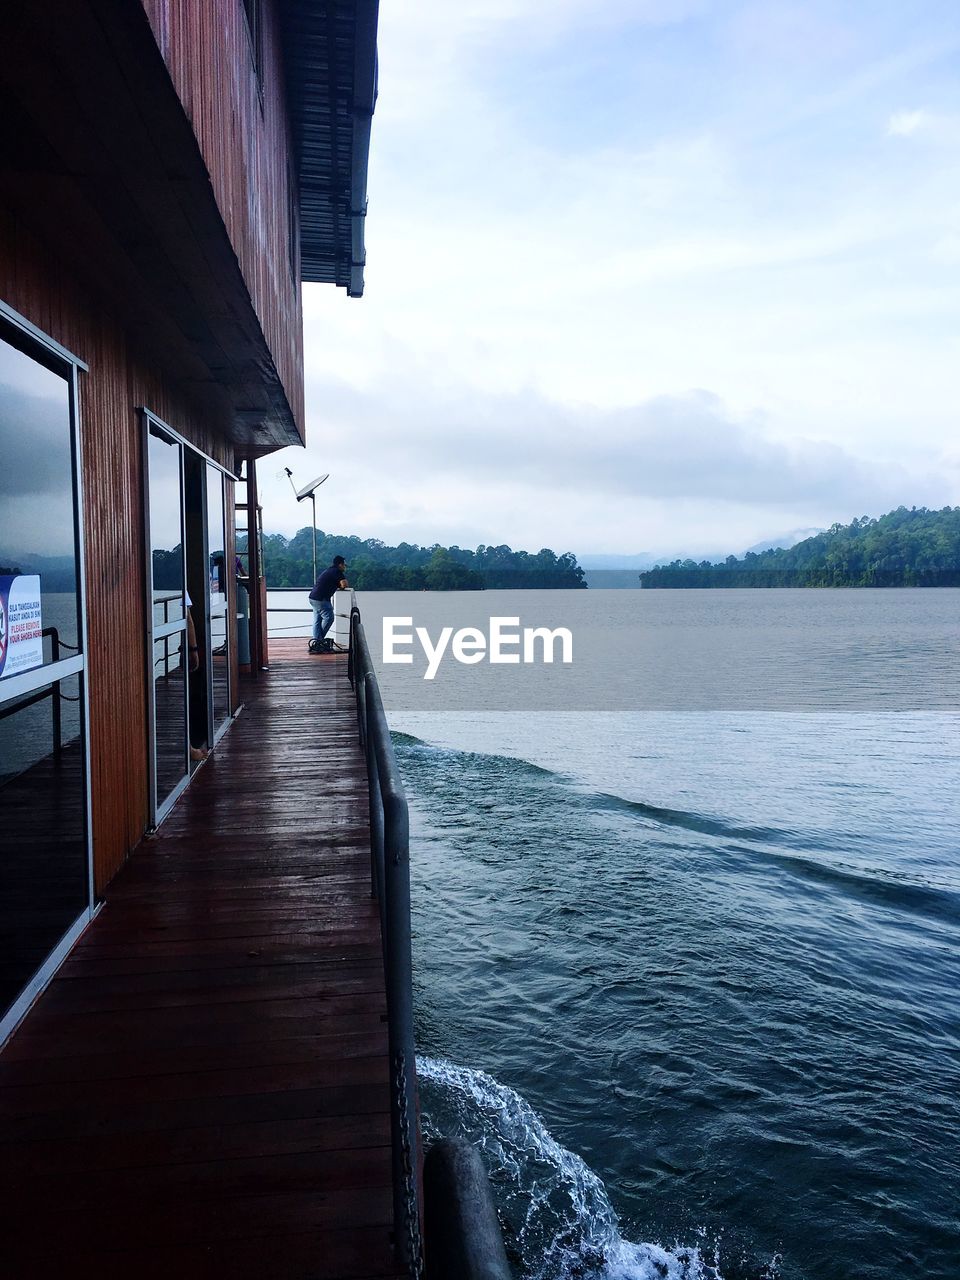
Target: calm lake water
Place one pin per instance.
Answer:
(688, 969)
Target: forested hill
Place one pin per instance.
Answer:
(373, 566)
(906, 548)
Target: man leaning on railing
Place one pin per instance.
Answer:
(331, 581)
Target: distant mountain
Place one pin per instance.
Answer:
(641, 559)
(57, 573)
(648, 559)
(616, 560)
(613, 579)
(614, 570)
(785, 540)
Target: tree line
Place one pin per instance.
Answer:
(909, 547)
(374, 566)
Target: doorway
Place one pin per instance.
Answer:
(189, 637)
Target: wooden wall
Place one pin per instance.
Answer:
(245, 141)
(120, 379)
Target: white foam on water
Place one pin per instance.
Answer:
(558, 1218)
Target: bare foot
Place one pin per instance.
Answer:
(199, 753)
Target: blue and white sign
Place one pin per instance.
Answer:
(21, 627)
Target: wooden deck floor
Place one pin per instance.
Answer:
(203, 1089)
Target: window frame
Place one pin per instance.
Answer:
(159, 808)
(218, 730)
(22, 334)
(150, 420)
(16, 330)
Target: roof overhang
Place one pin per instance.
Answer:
(99, 159)
(330, 56)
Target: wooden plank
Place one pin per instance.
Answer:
(283, 944)
(157, 1030)
(324, 1172)
(208, 1219)
(23, 1100)
(172, 1147)
(119, 1065)
(138, 956)
(337, 1255)
(94, 963)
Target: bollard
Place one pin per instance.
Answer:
(462, 1237)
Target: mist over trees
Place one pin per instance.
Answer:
(909, 547)
(374, 566)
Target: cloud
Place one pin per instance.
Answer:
(574, 220)
(36, 479)
(682, 447)
(947, 250)
(461, 27)
(905, 123)
(791, 33)
(37, 448)
(937, 127)
(439, 62)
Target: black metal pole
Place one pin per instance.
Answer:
(57, 729)
(398, 962)
(313, 503)
(390, 874)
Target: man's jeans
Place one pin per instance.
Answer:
(322, 617)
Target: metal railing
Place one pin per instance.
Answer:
(52, 691)
(390, 880)
(164, 659)
(308, 612)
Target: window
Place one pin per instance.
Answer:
(38, 508)
(45, 871)
(218, 571)
(167, 625)
(189, 631)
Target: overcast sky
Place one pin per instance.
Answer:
(644, 275)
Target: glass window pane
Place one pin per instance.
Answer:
(219, 637)
(37, 513)
(166, 534)
(43, 855)
(216, 539)
(170, 709)
(241, 536)
(221, 669)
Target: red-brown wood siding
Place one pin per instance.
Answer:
(120, 379)
(245, 141)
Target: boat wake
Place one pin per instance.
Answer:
(833, 861)
(558, 1222)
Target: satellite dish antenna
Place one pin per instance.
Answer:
(308, 489)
